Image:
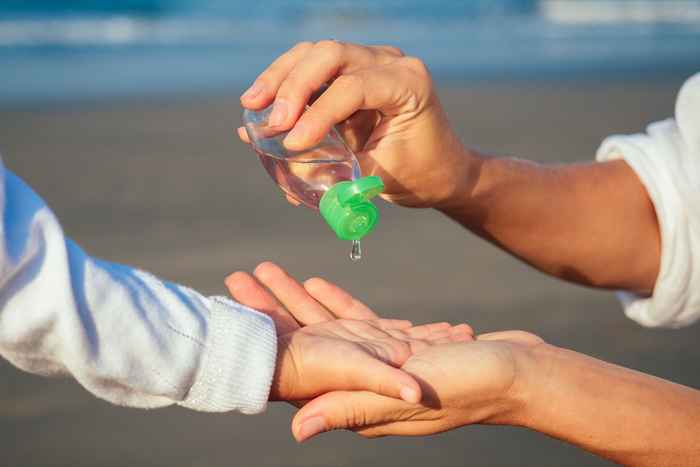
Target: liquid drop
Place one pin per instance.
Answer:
(356, 252)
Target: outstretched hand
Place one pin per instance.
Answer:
(461, 382)
(510, 378)
(357, 352)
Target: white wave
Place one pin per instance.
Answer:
(118, 30)
(267, 32)
(620, 11)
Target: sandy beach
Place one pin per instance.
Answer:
(166, 186)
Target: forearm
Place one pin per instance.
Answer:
(588, 223)
(626, 416)
(125, 335)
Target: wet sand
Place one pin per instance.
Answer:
(167, 187)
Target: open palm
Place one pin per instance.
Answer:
(463, 380)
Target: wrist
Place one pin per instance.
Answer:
(535, 370)
(284, 379)
(464, 172)
(531, 376)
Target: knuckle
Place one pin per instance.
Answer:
(295, 89)
(348, 82)
(392, 50)
(346, 302)
(302, 46)
(329, 46)
(272, 76)
(266, 77)
(294, 86)
(421, 88)
(265, 269)
(417, 66)
(356, 418)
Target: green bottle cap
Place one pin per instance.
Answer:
(347, 208)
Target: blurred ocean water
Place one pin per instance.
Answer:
(55, 51)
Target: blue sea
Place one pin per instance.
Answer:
(62, 51)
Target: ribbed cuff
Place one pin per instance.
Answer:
(238, 363)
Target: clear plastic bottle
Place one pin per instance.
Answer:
(325, 177)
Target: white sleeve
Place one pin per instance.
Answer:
(667, 160)
(123, 334)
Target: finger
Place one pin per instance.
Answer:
(401, 428)
(243, 135)
(376, 337)
(292, 200)
(391, 89)
(425, 330)
(389, 49)
(415, 345)
(438, 338)
(382, 378)
(360, 331)
(462, 332)
(265, 86)
(394, 352)
(397, 334)
(345, 410)
(321, 64)
(302, 306)
(338, 301)
(248, 291)
(441, 340)
(388, 324)
(461, 337)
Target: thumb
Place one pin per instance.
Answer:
(246, 290)
(343, 410)
(381, 378)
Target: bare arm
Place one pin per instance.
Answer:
(506, 378)
(617, 413)
(593, 223)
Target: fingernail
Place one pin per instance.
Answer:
(296, 136)
(279, 113)
(409, 395)
(253, 91)
(311, 427)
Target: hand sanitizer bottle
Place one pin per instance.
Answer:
(325, 177)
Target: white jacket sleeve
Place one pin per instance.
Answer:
(667, 160)
(123, 334)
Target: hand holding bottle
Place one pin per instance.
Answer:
(388, 111)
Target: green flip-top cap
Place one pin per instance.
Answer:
(347, 208)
